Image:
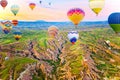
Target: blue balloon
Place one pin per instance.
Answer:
(114, 18)
(114, 21)
(6, 31)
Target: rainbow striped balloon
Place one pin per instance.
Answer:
(76, 15)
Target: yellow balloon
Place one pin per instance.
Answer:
(96, 5)
(76, 15)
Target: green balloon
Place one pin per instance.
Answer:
(115, 27)
(15, 9)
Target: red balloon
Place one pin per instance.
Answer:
(3, 3)
(15, 22)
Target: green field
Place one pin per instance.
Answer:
(91, 58)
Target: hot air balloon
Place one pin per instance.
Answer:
(73, 36)
(52, 31)
(3, 3)
(15, 9)
(6, 26)
(32, 5)
(40, 2)
(96, 5)
(49, 3)
(114, 21)
(17, 35)
(6, 58)
(15, 22)
(76, 15)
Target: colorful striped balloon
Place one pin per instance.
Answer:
(96, 5)
(114, 21)
(76, 15)
(6, 26)
(6, 30)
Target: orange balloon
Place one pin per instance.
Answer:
(3, 3)
(53, 31)
(32, 5)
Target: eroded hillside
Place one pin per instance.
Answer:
(95, 56)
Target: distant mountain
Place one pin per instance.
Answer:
(41, 24)
(83, 22)
(94, 22)
(40, 21)
(32, 21)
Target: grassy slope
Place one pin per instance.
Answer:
(74, 52)
(16, 64)
(27, 35)
(100, 55)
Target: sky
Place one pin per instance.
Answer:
(57, 11)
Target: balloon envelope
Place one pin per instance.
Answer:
(15, 9)
(96, 5)
(6, 26)
(32, 5)
(53, 31)
(15, 22)
(76, 15)
(49, 3)
(6, 58)
(6, 31)
(3, 3)
(17, 35)
(40, 2)
(73, 36)
(114, 21)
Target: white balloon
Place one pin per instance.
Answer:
(6, 58)
(73, 34)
